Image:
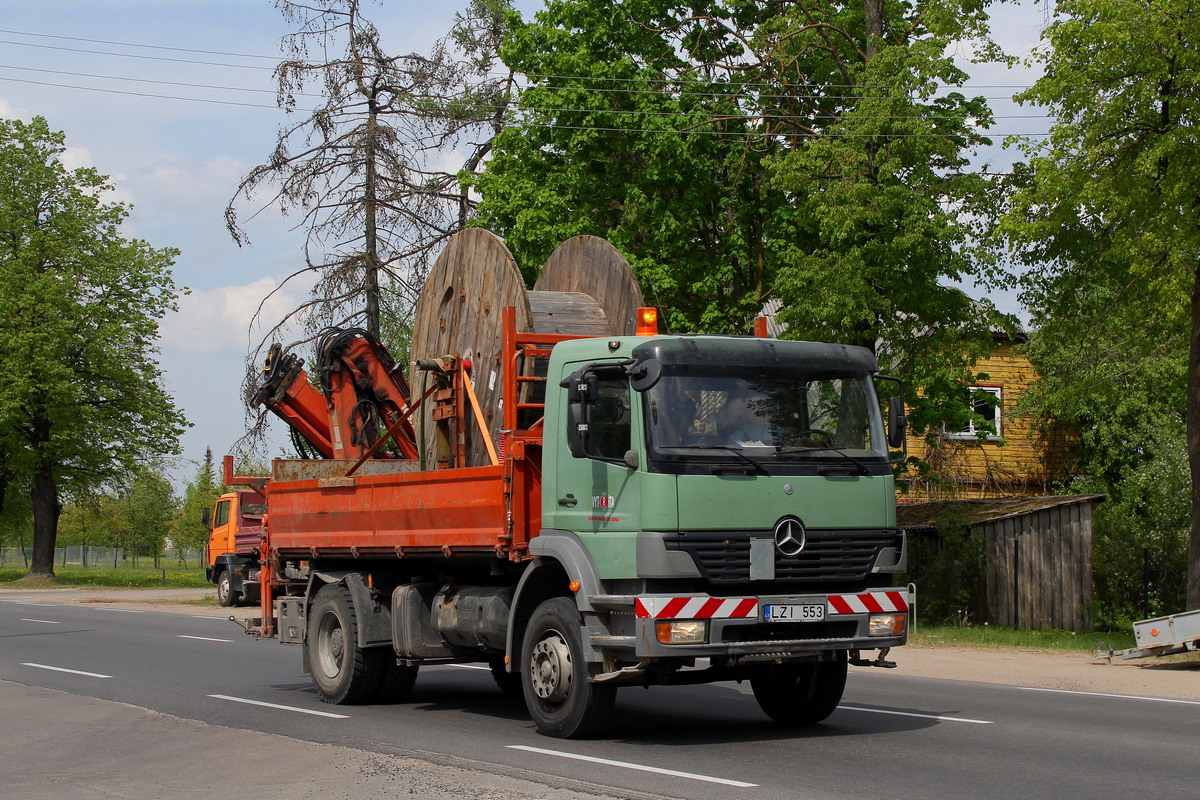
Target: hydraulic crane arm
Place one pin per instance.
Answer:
(361, 394)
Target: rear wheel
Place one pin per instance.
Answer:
(398, 681)
(554, 674)
(343, 672)
(801, 694)
(226, 596)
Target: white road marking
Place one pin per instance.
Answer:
(471, 666)
(120, 610)
(204, 638)
(27, 603)
(43, 621)
(638, 767)
(277, 706)
(1118, 696)
(919, 716)
(64, 669)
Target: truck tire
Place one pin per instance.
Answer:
(226, 596)
(554, 674)
(398, 680)
(343, 672)
(801, 694)
(507, 682)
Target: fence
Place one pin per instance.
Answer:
(90, 556)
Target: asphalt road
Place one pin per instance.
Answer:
(893, 736)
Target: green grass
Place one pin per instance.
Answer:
(988, 637)
(143, 577)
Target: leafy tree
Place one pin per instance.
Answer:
(81, 400)
(632, 128)
(740, 151)
(1110, 198)
(364, 171)
(149, 508)
(188, 530)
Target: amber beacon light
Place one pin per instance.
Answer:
(647, 321)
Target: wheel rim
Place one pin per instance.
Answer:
(223, 587)
(331, 645)
(551, 668)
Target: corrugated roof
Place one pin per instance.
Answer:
(928, 515)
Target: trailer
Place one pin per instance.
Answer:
(1160, 636)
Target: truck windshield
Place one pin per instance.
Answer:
(777, 417)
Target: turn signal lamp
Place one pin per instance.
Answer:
(647, 321)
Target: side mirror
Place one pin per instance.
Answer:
(206, 517)
(644, 374)
(897, 423)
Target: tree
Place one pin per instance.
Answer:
(365, 169)
(81, 400)
(150, 507)
(739, 151)
(1110, 197)
(188, 530)
(632, 128)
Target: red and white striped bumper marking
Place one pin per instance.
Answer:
(702, 607)
(872, 602)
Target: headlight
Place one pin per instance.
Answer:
(693, 631)
(888, 624)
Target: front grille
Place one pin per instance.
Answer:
(829, 556)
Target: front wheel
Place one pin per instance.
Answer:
(342, 671)
(801, 694)
(554, 674)
(226, 596)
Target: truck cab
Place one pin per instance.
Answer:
(232, 552)
(735, 494)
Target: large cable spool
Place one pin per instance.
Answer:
(584, 284)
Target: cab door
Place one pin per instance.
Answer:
(598, 493)
(220, 541)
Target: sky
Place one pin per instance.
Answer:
(174, 100)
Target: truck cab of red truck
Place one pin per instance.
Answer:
(233, 545)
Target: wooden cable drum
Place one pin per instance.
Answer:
(460, 312)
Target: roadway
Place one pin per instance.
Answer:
(893, 736)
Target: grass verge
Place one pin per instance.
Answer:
(987, 637)
(172, 577)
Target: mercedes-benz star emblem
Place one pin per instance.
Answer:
(789, 536)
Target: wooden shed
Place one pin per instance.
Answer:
(1037, 555)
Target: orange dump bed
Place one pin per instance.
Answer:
(387, 509)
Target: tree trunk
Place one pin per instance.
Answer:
(873, 14)
(46, 509)
(371, 206)
(1193, 446)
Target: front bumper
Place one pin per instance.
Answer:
(737, 626)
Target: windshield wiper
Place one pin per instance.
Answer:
(737, 451)
(861, 468)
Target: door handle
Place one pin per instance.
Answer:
(568, 502)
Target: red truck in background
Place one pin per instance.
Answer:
(234, 545)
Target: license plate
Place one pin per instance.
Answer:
(794, 612)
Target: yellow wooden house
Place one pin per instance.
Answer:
(1018, 458)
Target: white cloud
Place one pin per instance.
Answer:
(219, 319)
(9, 111)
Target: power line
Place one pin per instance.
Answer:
(139, 94)
(134, 55)
(147, 80)
(132, 44)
